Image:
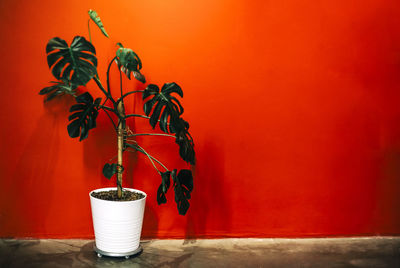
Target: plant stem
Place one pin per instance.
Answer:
(139, 115)
(151, 134)
(112, 121)
(136, 115)
(120, 86)
(131, 92)
(107, 108)
(149, 156)
(98, 82)
(108, 76)
(90, 36)
(104, 102)
(140, 149)
(120, 140)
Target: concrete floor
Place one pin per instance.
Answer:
(375, 252)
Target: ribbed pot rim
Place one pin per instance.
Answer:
(115, 188)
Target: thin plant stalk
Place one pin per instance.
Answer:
(120, 141)
(151, 134)
(90, 36)
(131, 92)
(140, 149)
(137, 115)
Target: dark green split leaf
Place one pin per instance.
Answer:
(85, 115)
(163, 188)
(165, 109)
(163, 106)
(186, 146)
(77, 63)
(183, 186)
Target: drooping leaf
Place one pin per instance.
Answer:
(163, 188)
(183, 186)
(58, 88)
(163, 106)
(161, 199)
(165, 180)
(129, 62)
(77, 63)
(109, 170)
(186, 146)
(85, 115)
(96, 19)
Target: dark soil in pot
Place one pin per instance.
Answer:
(112, 195)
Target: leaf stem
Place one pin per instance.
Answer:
(120, 100)
(141, 116)
(131, 92)
(107, 108)
(90, 36)
(108, 76)
(104, 102)
(107, 94)
(120, 86)
(143, 151)
(113, 158)
(137, 115)
(109, 116)
(151, 134)
(140, 149)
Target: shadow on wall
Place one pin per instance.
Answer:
(35, 165)
(150, 222)
(210, 205)
(389, 192)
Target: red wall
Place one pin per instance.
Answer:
(294, 107)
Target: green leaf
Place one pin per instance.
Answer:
(183, 186)
(161, 199)
(58, 88)
(169, 88)
(163, 101)
(84, 118)
(96, 19)
(129, 62)
(77, 63)
(165, 109)
(163, 188)
(109, 170)
(186, 144)
(165, 181)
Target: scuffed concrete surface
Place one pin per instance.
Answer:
(373, 252)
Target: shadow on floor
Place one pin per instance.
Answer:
(271, 253)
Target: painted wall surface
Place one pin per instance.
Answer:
(294, 107)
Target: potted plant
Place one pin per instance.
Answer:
(118, 212)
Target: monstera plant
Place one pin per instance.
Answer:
(75, 65)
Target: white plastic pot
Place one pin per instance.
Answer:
(117, 224)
